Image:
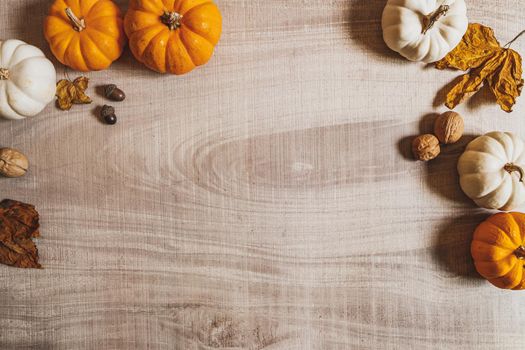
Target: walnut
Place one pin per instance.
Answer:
(12, 163)
(426, 147)
(449, 127)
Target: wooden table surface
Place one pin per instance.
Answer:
(265, 201)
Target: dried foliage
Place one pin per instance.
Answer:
(72, 92)
(18, 225)
(500, 68)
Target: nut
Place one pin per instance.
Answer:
(112, 92)
(107, 113)
(13, 163)
(449, 127)
(426, 147)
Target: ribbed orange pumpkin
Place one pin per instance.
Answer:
(85, 35)
(498, 250)
(173, 36)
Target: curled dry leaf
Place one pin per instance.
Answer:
(72, 92)
(18, 225)
(500, 68)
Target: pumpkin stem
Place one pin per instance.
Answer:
(520, 252)
(79, 24)
(171, 19)
(431, 19)
(510, 168)
(4, 74)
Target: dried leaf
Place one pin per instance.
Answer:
(488, 63)
(507, 83)
(18, 224)
(476, 47)
(81, 84)
(72, 92)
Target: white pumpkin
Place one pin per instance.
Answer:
(27, 80)
(424, 30)
(491, 171)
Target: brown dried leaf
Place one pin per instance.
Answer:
(18, 224)
(488, 63)
(72, 92)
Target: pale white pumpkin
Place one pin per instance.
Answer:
(27, 80)
(491, 171)
(424, 30)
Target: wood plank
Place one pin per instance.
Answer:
(264, 201)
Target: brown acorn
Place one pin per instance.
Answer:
(112, 92)
(107, 113)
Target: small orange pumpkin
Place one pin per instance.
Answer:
(173, 36)
(498, 249)
(85, 35)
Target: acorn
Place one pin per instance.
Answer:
(112, 92)
(107, 113)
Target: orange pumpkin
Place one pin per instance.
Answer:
(498, 250)
(173, 36)
(85, 35)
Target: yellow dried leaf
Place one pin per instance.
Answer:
(72, 92)
(488, 63)
(478, 45)
(506, 84)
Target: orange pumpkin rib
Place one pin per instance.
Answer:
(178, 59)
(483, 251)
(169, 4)
(508, 225)
(199, 49)
(489, 233)
(60, 44)
(188, 5)
(54, 25)
(177, 5)
(96, 58)
(107, 9)
(60, 12)
(520, 220)
(84, 54)
(495, 269)
(510, 280)
(155, 53)
(87, 5)
(205, 21)
(154, 6)
(520, 285)
(73, 55)
(74, 5)
(140, 40)
(108, 26)
(141, 20)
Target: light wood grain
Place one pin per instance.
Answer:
(264, 201)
